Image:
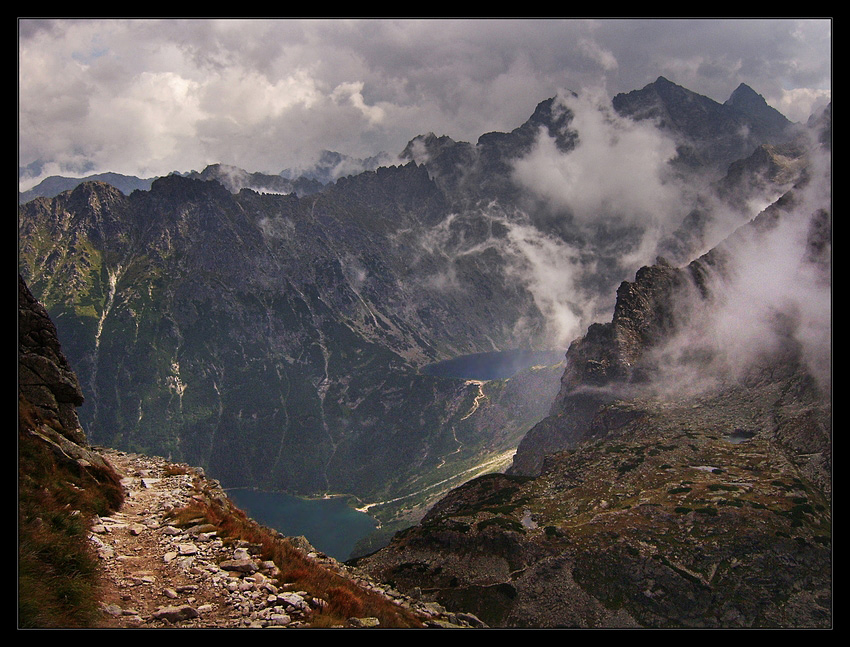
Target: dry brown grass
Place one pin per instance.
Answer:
(58, 572)
(344, 598)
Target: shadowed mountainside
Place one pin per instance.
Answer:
(683, 478)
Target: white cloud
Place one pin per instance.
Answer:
(801, 103)
(551, 270)
(770, 297)
(590, 48)
(353, 93)
(618, 170)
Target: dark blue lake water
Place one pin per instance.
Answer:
(329, 524)
(496, 365)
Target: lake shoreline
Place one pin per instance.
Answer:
(329, 522)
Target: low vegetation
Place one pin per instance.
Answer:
(57, 568)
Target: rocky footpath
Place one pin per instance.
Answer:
(161, 571)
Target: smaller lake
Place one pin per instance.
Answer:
(329, 524)
(495, 365)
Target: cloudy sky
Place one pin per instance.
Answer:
(147, 97)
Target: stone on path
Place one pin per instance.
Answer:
(176, 614)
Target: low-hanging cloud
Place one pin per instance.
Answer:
(619, 169)
(617, 191)
(551, 270)
(772, 298)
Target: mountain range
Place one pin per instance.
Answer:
(279, 332)
(327, 169)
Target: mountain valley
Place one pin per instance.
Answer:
(660, 458)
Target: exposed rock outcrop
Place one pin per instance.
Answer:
(49, 391)
(678, 481)
(44, 376)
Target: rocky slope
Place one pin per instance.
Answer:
(690, 515)
(166, 564)
(683, 475)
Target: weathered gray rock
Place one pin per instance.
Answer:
(45, 377)
(241, 565)
(364, 622)
(176, 614)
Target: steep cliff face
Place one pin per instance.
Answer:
(49, 392)
(62, 482)
(45, 378)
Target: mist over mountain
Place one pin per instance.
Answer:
(308, 179)
(683, 476)
(274, 329)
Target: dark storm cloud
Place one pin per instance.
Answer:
(148, 96)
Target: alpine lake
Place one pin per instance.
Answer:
(330, 524)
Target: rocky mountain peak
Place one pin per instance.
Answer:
(744, 95)
(711, 135)
(552, 115)
(424, 148)
(94, 197)
(754, 105)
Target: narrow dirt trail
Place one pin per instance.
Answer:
(157, 575)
